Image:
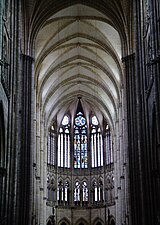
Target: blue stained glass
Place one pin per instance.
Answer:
(80, 142)
(80, 121)
(83, 131)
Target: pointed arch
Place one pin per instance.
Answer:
(64, 143)
(50, 220)
(96, 142)
(84, 193)
(112, 220)
(81, 221)
(64, 221)
(80, 139)
(77, 190)
(98, 221)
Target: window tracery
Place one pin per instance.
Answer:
(77, 193)
(80, 142)
(85, 193)
(96, 143)
(64, 143)
(60, 192)
(98, 196)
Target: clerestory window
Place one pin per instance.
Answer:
(80, 142)
(64, 143)
(96, 143)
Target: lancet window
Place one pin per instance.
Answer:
(64, 143)
(80, 142)
(96, 143)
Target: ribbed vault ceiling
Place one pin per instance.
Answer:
(78, 53)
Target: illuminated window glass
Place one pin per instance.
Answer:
(85, 192)
(66, 193)
(94, 120)
(95, 192)
(60, 193)
(98, 195)
(64, 143)
(96, 143)
(80, 142)
(65, 120)
(77, 193)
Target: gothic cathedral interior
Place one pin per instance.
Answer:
(79, 112)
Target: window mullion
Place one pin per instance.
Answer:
(65, 150)
(98, 150)
(62, 149)
(101, 146)
(92, 150)
(80, 150)
(95, 150)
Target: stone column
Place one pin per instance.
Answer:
(42, 172)
(37, 166)
(45, 174)
(26, 138)
(117, 173)
(135, 133)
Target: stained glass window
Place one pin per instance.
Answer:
(64, 143)
(80, 142)
(66, 191)
(60, 192)
(96, 143)
(77, 193)
(65, 120)
(98, 192)
(85, 193)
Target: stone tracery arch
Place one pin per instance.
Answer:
(51, 220)
(64, 221)
(81, 221)
(98, 221)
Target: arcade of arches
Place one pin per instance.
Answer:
(80, 112)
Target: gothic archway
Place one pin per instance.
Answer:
(64, 221)
(49, 223)
(99, 223)
(112, 221)
(81, 221)
(51, 220)
(85, 70)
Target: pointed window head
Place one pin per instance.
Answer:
(65, 120)
(94, 120)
